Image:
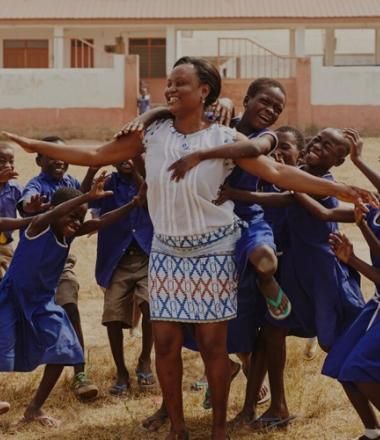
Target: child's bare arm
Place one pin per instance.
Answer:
(273, 200)
(113, 216)
(370, 237)
(10, 223)
(343, 249)
(339, 214)
(357, 159)
(88, 179)
(42, 221)
(242, 148)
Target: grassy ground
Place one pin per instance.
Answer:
(322, 409)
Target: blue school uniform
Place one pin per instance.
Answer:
(34, 330)
(10, 194)
(115, 240)
(355, 357)
(46, 186)
(324, 293)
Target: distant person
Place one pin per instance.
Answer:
(143, 101)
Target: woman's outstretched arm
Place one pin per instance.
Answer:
(123, 148)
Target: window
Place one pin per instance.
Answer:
(82, 53)
(152, 52)
(21, 54)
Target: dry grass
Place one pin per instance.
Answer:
(322, 409)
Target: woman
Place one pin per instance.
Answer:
(192, 266)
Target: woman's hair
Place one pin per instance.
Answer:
(300, 139)
(64, 194)
(207, 74)
(261, 84)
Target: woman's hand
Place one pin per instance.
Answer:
(25, 143)
(225, 193)
(356, 143)
(97, 189)
(341, 246)
(354, 194)
(181, 166)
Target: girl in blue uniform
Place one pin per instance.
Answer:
(355, 358)
(34, 330)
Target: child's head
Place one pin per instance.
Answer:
(68, 225)
(264, 103)
(124, 168)
(7, 157)
(52, 167)
(290, 144)
(327, 149)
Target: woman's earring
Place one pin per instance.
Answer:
(203, 100)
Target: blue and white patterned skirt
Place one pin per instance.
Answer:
(194, 278)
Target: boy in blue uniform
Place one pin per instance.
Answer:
(122, 271)
(10, 194)
(36, 198)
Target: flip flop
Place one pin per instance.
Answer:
(146, 381)
(267, 423)
(275, 304)
(364, 437)
(199, 385)
(4, 407)
(119, 389)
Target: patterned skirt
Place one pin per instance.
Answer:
(194, 278)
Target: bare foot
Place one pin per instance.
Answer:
(155, 421)
(271, 420)
(40, 417)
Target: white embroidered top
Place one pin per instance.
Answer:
(186, 207)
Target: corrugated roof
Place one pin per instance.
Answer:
(186, 9)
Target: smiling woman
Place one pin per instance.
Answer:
(192, 264)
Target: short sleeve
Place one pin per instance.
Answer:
(150, 131)
(270, 133)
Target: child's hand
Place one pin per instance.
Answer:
(222, 111)
(360, 212)
(181, 166)
(7, 174)
(278, 157)
(130, 127)
(341, 246)
(97, 189)
(353, 194)
(25, 143)
(225, 193)
(356, 143)
(140, 198)
(36, 204)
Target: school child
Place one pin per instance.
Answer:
(122, 271)
(354, 359)
(10, 194)
(34, 330)
(36, 198)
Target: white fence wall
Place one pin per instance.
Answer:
(63, 88)
(344, 85)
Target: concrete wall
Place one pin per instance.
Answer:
(73, 103)
(63, 88)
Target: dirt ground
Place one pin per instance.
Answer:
(319, 403)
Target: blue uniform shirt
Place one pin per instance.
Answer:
(10, 194)
(242, 180)
(115, 240)
(46, 186)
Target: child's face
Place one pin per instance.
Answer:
(68, 225)
(263, 109)
(287, 150)
(329, 148)
(7, 158)
(52, 167)
(124, 167)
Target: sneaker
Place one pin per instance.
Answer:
(83, 388)
(4, 407)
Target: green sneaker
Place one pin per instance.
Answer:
(83, 388)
